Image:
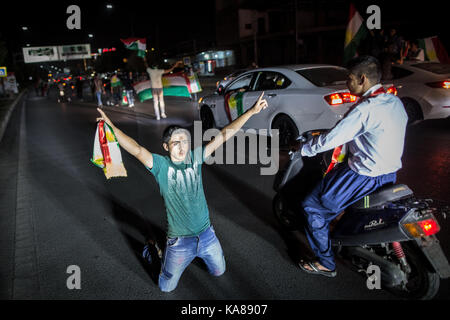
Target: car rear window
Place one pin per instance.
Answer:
(323, 77)
(434, 67)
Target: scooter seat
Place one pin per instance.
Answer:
(388, 193)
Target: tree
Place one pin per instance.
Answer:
(3, 52)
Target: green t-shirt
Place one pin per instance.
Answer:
(181, 186)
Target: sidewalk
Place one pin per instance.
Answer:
(6, 108)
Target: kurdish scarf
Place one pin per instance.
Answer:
(106, 154)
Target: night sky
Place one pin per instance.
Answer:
(166, 23)
(163, 23)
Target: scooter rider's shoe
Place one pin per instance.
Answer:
(315, 269)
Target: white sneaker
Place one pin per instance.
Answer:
(158, 118)
(164, 115)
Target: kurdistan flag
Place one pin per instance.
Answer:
(143, 90)
(139, 44)
(434, 50)
(183, 81)
(355, 33)
(233, 105)
(177, 85)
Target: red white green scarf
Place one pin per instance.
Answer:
(106, 154)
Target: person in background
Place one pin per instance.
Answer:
(415, 53)
(116, 88)
(79, 87)
(155, 75)
(189, 70)
(37, 85)
(93, 89)
(99, 89)
(127, 81)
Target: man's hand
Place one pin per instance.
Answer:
(260, 104)
(231, 129)
(129, 144)
(104, 117)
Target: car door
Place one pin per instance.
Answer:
(272, 83)
(233, 97)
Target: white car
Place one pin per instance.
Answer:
(300, 97)
(221, 84)
(423, 88)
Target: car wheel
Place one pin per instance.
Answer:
(288, 131)
(284, 216)
(413, 110)
(207, 118)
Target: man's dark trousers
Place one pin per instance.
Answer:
(340, 188)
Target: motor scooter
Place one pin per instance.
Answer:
(390, 228)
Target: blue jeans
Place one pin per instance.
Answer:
(339, 189)
(130, 97)
(181, 251)
(99, 97)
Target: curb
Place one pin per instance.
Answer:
(4, 122)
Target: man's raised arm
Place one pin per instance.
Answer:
(231, 129)
(128, 143)
(173, 67)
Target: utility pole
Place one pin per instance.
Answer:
(255, 40)
(296, 31)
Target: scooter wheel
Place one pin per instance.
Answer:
(423, 282)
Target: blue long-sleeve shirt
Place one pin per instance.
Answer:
(374, 132)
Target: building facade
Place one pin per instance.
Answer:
(282, 32)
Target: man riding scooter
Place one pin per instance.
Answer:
(373, 132)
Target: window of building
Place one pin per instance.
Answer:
(261, 26)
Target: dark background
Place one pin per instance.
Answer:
(171, 25)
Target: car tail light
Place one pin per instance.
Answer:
(392, 90)
(422, 228)
(439, 84)
(338, 98)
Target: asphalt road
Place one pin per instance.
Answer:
(58, 210)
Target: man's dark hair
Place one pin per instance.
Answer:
(416, 42)
(167, 134)
(367, 65)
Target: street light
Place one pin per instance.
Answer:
(109, 6)
(90, 35)
(24, 28)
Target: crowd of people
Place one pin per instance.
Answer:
(390, 48)
(112, 88)
(41, 87)
(115, 89)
